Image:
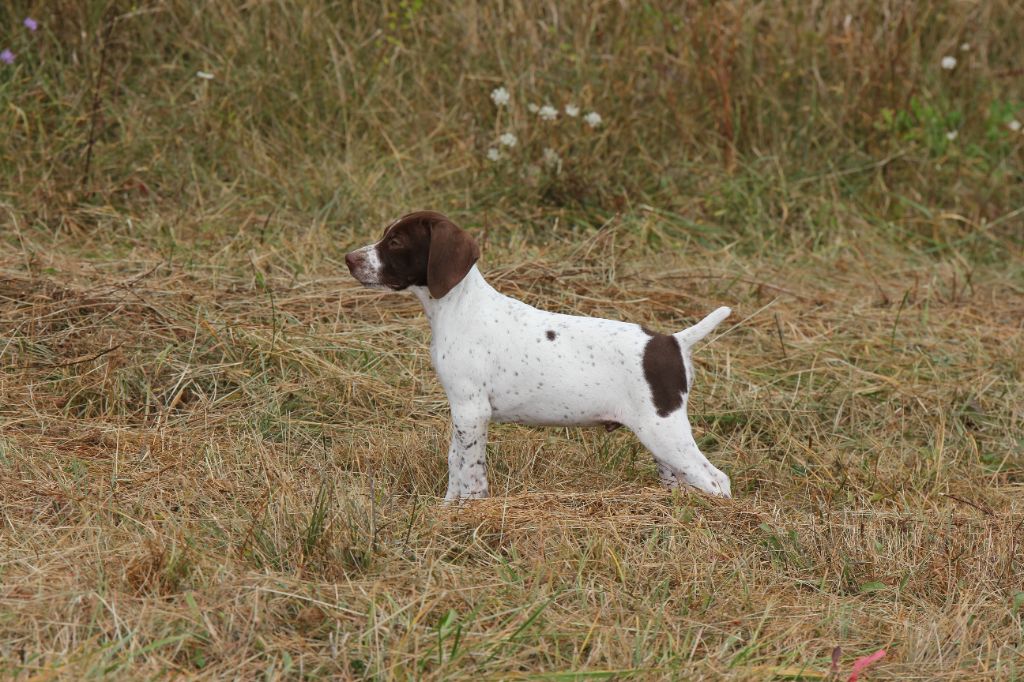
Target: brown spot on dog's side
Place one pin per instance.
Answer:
(551, 335)
(665, 373)
(611, 426)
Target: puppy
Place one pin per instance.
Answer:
(502, 360)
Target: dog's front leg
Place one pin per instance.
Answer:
(467, 465)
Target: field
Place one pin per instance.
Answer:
(221, 458)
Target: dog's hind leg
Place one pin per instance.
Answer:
(666, 475)
(670, 440)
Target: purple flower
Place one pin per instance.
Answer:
(7, 57)
(30, 23)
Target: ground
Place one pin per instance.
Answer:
(221, 458)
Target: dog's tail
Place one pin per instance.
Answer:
(688, 337)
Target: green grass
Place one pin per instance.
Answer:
(220, 458)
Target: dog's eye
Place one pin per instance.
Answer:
(395, 243)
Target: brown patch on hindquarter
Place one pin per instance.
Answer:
(665, 372)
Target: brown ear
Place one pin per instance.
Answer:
(452, 254)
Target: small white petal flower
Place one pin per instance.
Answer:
(532, 108)
(551, 158)
(593, 119)
(951, 135)
(205, 75)
(964, 47)
(548, 112)
(572, 110)
(948, 63)
(494, 154)
(500, 96)
(1014, 125)
(508, 139)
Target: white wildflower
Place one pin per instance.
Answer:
(593, 119)
(551, 158)
(508, 139)
(532, 108)
(964, 47)
(951, 135)
(948, 63)
(548, 112)
(494, 154)
(500, 96)
(1014, 125)
(205, 75)
(572, 110)
(847, 21)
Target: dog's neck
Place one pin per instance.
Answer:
(468, 295)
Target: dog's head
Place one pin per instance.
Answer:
(420, 249)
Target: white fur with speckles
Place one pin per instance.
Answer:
(496, 364)
(369, 267)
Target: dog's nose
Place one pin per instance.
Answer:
(350, 260)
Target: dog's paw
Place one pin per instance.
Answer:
(461, 497)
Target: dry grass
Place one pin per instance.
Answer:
(220, 458)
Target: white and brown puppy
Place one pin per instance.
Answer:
(501, 360)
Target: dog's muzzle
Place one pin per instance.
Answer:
(364, 265)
